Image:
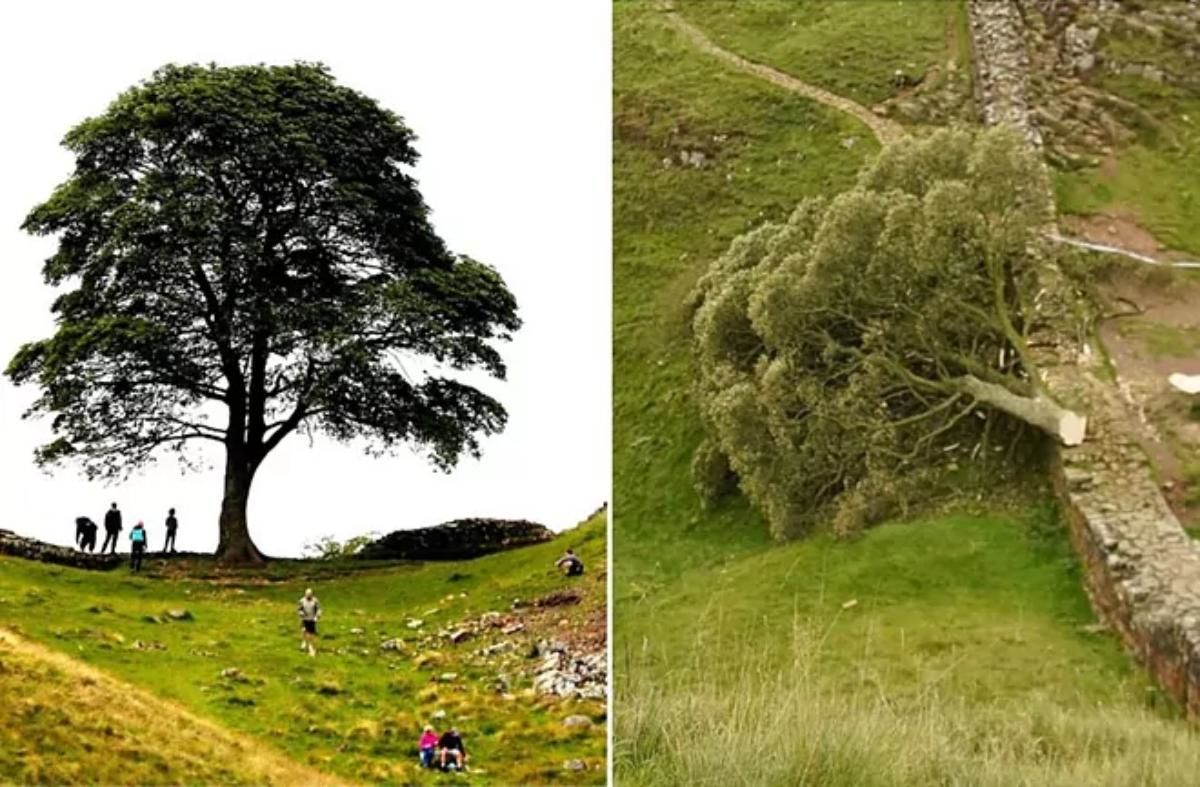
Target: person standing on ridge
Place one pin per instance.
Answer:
(310, 613)
(112, 528)
(172, 526)
(137, 538)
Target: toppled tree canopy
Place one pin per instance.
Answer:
(846, 353)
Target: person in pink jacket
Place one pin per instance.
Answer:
(428, 745)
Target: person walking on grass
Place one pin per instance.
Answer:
(172, 526)
(137, 539)
(310, 613)
(112, 528)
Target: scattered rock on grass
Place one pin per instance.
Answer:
(179, 614)
(151, 645)
(574, 765)
(499, 647)
(392, 644)
(577, 721)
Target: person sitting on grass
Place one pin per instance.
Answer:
(310, 613)
(570, 563)
(428, 745)
(137, 539)
(452, 751)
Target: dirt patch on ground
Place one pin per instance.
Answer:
(1157, 334)
(1114, 229)
(1108, 166)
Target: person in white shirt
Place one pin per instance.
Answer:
(310, 613)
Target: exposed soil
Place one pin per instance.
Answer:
(1114, 229)
(1170, 431)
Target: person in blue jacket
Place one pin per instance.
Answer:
(137, 539)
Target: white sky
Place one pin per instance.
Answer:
(510, 102)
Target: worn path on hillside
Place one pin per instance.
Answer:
(885, 130)
(166, 724)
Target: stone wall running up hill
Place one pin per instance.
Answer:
(461, 539)
(1142, 569)
(32, 549)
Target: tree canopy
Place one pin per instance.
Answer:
(875, 336)
(244, 254)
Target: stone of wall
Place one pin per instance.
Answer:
(1142, 569)
(461, 539)
(32, 549)
(1001, 65)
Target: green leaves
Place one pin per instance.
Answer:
(829, 348)
(247, 239)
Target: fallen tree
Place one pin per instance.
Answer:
(874, 335)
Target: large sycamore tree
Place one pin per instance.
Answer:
(849, 352)
(243, 254)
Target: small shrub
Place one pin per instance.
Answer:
(329, 548)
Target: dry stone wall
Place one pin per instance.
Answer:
(1142, 569)
(32, 549)
(461, 539)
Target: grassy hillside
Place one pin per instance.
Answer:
(763, 152)
(1152, 179)
(62, 722)
(356, 709)
(852, 49)
(819, 662)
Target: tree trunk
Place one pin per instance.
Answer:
(235, 546)
(1063, 425)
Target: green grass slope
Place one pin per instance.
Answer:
(819, 662)
(764, 152)
(853, 49)
(62, 722)
(1153, 178)
(356, 709)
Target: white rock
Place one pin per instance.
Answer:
(1188, 383)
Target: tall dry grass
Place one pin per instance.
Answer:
(746, 725)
